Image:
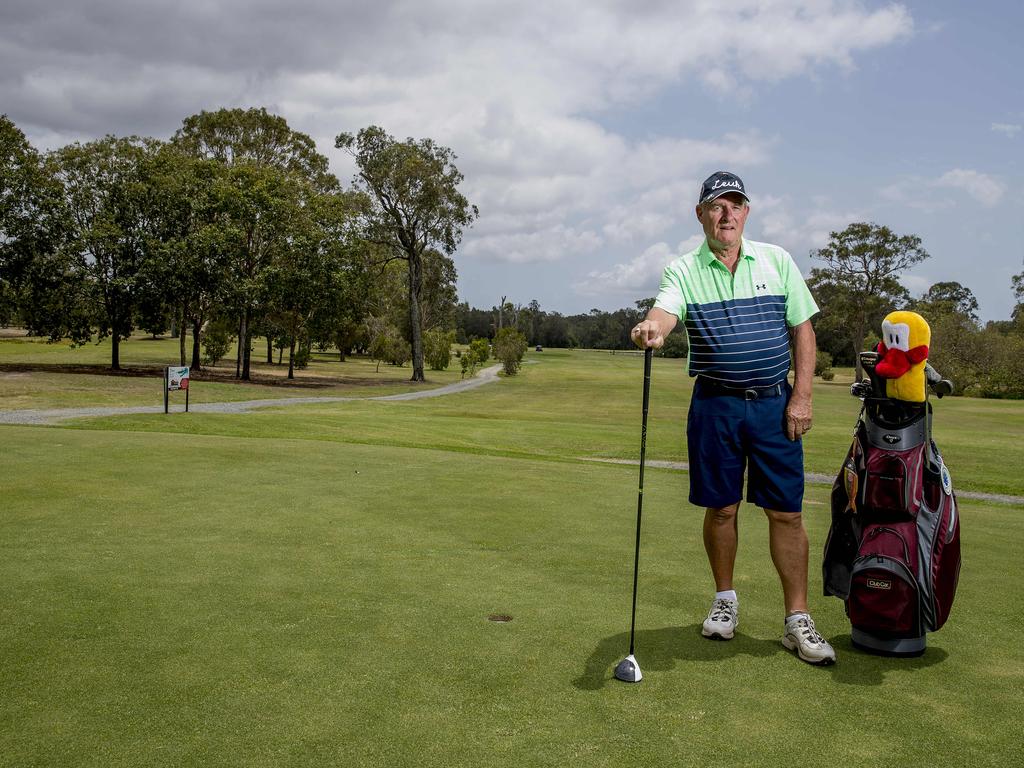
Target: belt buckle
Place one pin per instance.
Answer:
(750, 394)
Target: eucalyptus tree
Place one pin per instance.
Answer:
(412, 204)
(859, 283)
(32, 227)
(189, 255)
(307, 275)
(104, 185)
(267, 169)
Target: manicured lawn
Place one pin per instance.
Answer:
(312, 586)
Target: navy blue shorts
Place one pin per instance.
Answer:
(724, 433)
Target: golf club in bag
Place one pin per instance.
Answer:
(893, 551)
(628, 670)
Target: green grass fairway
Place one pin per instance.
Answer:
(311, 586)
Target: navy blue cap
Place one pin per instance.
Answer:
(720, 183)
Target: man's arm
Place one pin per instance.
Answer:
(798, 411)
(651, 332)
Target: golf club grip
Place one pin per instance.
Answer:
(648, 356)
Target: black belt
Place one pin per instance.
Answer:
(748, 393)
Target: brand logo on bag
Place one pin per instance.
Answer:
(891, 439)
(879, 584)
(947, 481)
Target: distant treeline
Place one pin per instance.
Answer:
(596, 329)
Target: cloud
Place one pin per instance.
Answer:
(798, 227)
(927, 194)
(640, 274)
(986, 189)
(521, 91)
(1010, 130)
(549, 244)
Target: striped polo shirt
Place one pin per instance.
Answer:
(738, 323)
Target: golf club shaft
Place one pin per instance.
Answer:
(648, 355)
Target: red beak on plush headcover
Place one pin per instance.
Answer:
(896, 362)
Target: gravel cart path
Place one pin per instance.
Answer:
(51, 416)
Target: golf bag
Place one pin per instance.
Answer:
(893, 550)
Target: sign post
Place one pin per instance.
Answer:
(175, 377)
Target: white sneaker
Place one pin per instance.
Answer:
(722, 620)
(804, 638)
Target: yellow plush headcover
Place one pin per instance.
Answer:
(904, 352)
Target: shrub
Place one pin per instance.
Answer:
(823, 366)
(480, 349)
(217, 340)
(509, 347)
(399, 351)
(303, 353)
(437, 348)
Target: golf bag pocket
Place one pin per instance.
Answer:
(893, 481)
(945, 562)
(884, 598)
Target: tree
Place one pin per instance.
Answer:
(304, 277)
(1017, 283)
(412, 205)
(509, 348)
(264, 162)
(859, 284)
(19, 172)
(104, 184)
(948, 298)
(186, 274)
(480, 349)
(437, 348)
(37, 286)
(437, 308)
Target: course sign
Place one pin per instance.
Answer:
(175, 378)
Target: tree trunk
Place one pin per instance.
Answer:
(415, 291)
(270, 350)
(181, 338)
(858, 339)
(115, 351)
(246, 351)
(291, 359)
(238, 353)
(197, 326)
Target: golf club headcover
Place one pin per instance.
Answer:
(903, 353)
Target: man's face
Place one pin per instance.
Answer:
(723, 219)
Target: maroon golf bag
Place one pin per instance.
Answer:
(893, 550)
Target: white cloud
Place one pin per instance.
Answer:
(640, 274)
(523, 93)
(550, 244)
(1010, 130)
(798, 227)
(986, 189)
(928, 194)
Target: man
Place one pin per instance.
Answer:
(744, 304)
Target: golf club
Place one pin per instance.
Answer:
(628, 670)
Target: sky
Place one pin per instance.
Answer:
(585, 127)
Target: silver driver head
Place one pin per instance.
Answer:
(628, 671)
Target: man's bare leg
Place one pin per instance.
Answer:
(788, 541)
(721, 537)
